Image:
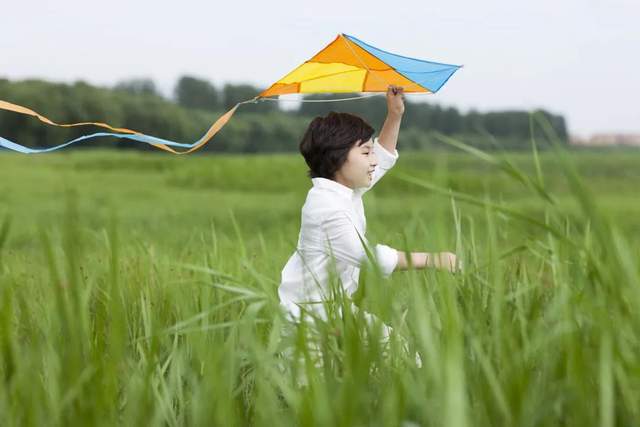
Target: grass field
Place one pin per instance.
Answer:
(140, 289)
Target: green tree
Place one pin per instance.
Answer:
(138, 86)
(192, 92)
(234, 93)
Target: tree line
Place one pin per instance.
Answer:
(260, 127)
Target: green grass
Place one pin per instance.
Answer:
(140, 289)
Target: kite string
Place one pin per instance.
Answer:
(316, 100)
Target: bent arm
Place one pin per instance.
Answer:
(388, 137)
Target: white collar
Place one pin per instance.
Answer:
(333, 186)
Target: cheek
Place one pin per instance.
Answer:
(356, 164)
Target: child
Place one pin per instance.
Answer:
(344, 162)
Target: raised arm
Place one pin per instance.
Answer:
(391, 128)
(385, 144)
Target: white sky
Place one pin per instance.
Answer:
(578, 58)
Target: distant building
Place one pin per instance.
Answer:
(608, 139)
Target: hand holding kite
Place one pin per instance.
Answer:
(395, 100)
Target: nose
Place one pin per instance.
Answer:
(373, 161)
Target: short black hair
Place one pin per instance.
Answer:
(327, 141)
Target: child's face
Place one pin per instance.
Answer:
(357, 171)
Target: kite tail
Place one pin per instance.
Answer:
(215, 128)
(4, 105)
(123, 133)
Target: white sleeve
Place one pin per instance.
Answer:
(387, 258)
(345, 243)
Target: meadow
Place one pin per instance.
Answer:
(140, 289)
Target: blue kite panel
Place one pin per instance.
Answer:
(432, 75)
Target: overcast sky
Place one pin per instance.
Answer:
(579, 58)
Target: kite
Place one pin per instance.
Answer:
(345, 65)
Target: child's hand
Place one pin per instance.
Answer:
(395, 100)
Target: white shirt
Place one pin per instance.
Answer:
(332, 223)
